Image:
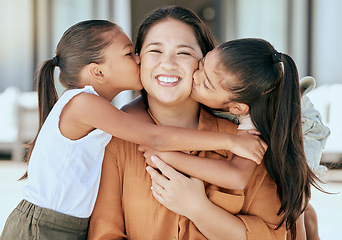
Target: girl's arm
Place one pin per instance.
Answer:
(91, 110)
(234, 174)
(186, 196)
(107, 220)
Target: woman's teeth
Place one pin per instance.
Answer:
(168, 79)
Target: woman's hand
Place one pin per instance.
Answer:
(175, 191)
(249, 145)
(186, 196)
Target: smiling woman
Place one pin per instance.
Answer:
(170, 42)
(168, 62)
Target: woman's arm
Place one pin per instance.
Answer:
(234, 174)
(186, 196)
(107, 221)
(94, 111)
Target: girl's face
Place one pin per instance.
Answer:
(207, 85)
(121, 64)
(169, 56)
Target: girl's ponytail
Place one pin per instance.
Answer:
(47, 94)
(290, 171)
(267, 81)
(47, 97)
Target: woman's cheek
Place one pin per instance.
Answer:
(193, 65)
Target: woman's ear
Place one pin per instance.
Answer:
(238, 108)
(96, 73)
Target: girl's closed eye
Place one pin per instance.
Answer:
(205, 85)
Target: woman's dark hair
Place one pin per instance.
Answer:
(80, 45)
(204, 37)
(267, 81)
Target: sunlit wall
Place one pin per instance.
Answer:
(327, 41)
(16, 44)
(307, 29)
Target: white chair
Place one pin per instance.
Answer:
(327, 99)
(18, 121)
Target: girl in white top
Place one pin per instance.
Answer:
(96, 62)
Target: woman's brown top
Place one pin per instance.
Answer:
(126, 209)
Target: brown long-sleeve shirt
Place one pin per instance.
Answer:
(126, 209)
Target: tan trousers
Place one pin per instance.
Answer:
(30, 222)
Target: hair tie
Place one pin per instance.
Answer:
(276, 56)
(55, 61)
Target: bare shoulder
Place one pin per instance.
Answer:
(85, 98)
(136, 105)
(137, 108)
(74, 112)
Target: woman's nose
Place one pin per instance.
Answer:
(169, 62)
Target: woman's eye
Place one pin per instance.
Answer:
(129, 54)
(184, 53)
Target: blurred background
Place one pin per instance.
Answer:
(308, 30)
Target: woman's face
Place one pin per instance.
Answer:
(169, 56)
(207, 86)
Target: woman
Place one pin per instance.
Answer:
(170, 42)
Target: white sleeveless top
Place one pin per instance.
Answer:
(246, 123)
(64, 174)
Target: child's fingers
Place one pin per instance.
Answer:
(262, 151)
(258, 155)
(142, 148)
(259, 159)
(264, 145)
(262, 148)
(256, 158)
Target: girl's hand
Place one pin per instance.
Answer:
(249, 145)
(148, 153)
(175, 191)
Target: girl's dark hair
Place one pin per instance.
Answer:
(80, 45)
(205, 38)
(268, 82)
